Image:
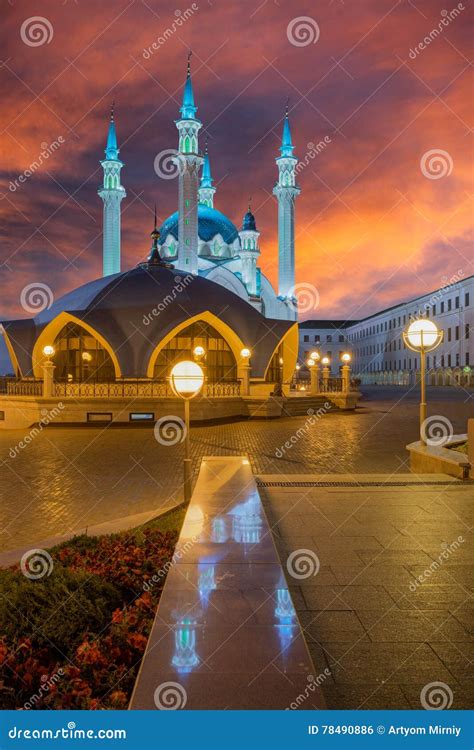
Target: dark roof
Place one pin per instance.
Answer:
(134, 310)
(249, 223)
(336, 324)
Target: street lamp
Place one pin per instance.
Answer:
(325, 362)
(49, 351)
(312, 364)
(186, 380)
(422, 336)
(346, 358)
(346, 372)
(316, 356)
(199, 353)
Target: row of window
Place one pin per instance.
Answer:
(431, 363)
(452, 334)
(427, 311)
(317, 339)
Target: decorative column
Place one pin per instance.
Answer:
(314, 373)
(48, 379)
(188, 161)
(286, 191)
(326, 372)
(346, 378)
(245, 372)
(112, 194)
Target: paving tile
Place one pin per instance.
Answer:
(458, 658)
(375, 574)
(429, 596)
(416, 626)
(457, 697)
(366, 697)
(392, 663)
(337, 626)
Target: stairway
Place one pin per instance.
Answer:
(295, 406)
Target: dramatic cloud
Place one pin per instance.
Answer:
(375, 223)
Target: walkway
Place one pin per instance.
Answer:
(226, 634)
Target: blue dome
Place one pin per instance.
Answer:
(248, 223)
(210, 223)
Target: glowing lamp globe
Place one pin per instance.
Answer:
(346, 358)
(325, 360)
(199, 351)
(310, 362)
(422, 334)
(316, 356)
(49, 351)
(245, 353)
(187, 379)
(87, 356)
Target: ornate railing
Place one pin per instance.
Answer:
(222, 390)
(16, 387)
(138, 389)
(331, 385)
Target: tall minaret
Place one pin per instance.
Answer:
(286, 191)
(206, 191)
(188, 162)
(249, 251)
(112, 193)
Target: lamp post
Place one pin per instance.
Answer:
(346, 372)
(48, 371)
(422, 336)
(186, 380)
(313, 373)
(245, 361)
(325, 362)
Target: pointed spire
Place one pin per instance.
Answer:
(206, 177)
(112, 149)
(249, 223)
(155, 258)
(188, 109)
(286, 148)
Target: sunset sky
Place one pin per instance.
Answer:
(372, 229)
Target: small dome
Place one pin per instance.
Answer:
(210, 223)
(248, 223)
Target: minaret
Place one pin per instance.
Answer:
(249, 251)
(206, 191)
(154, 258)
(286, 191)
(112, 193)
(188, 162)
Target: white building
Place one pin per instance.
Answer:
(379, 354)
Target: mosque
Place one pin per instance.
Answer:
(198, 238)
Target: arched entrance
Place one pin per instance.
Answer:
(80, 357)
(219, 360)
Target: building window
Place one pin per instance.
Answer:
(449, 304)
(457, 333)
(341, 339)
(328, 339)
(457, 359)
(456, 302)
(434, 310)
(466, 299)
(467, 359)
(466, 331)
(219, 362)
(306, 339)
(449, 360)
(317, 340)
(80, 357)
(442, 360)
(442, 307)
(449, 334)
(275, 369)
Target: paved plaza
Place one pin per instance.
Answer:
(67, 479)
(387, 608)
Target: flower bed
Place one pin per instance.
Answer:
(74, 639)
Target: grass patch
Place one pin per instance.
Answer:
(74, 639)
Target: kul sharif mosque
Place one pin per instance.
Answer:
(198, 238)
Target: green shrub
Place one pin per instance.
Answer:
(55, 610)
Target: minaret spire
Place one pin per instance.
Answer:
(249, 252)
(286, 190)
(189, 162)
(112, 193)
(154, 258)
(206, 190)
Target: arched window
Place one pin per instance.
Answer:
(80, 357)
(275, 369)
(219, 362)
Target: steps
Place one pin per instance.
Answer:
(306, 405)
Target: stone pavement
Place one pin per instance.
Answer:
(69, 478)
(383, 634)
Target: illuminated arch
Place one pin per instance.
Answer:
(289, 352)
(228, 334)
(54, 328)
(11, 352)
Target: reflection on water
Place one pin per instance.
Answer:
(193, 523)
(185, 657)
(247, 521)
(206, 582)
(286, 616)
